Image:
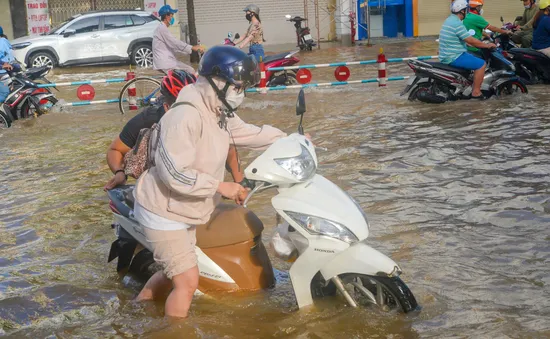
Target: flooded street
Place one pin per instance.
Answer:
(457, 194)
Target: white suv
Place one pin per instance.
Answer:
(92, 38)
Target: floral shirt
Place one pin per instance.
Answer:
(257, 33)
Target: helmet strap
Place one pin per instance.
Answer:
(221, 95)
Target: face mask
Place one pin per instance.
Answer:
(481, 12)
(233, 98)
(172, 21)
(249, 17)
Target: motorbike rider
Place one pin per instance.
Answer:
(452, 46)
(165, 45)
(183, 187)
(525, 34)
(255, 33)
(541, 36)
(6, 58)
(476, 22)
(170, 88)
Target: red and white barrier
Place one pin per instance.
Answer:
(132, 93)
(382, 76)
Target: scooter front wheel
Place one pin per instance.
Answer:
(388, 293)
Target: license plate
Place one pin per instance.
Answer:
(410, 81)
(308, 37)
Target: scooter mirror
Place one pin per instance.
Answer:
(502, 19)
(301, 103)
(288, 16)
(237, 36)
(229, 35)
(472, 32)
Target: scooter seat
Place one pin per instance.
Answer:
(230, 224)
(34, 72)
(530, 51)
(450, 68)
(275, 57)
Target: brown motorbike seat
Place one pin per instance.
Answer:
(230, 224)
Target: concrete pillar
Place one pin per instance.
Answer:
(343, 30)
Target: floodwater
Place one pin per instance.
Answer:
(458, 194)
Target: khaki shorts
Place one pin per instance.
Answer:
(174, 250)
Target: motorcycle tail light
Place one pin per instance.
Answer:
(412, 66)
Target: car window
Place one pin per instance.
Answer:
(117, 21)
(85, 25)
(138, 20)
(151, 18)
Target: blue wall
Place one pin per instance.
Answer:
(398, 17)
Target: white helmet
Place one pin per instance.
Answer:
(459, 5)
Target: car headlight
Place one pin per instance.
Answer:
(320, 226)
(21, 45)
(302, 166)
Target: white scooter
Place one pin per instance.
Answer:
(325, 226)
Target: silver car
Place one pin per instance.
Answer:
(92, 38)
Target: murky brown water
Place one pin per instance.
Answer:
(457, 194)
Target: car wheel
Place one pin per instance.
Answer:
(42, 59)
(142, 56)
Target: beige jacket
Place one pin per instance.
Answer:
(190, 157)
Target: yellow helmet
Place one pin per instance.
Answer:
(544, 3)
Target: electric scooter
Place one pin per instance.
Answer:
(326, 227)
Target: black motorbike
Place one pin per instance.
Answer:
(532, 66)
(435, 82)
(303, 34)
(26, 99)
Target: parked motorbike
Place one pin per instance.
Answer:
(25, 98)
(435, 82)
(326, 226)
(274, 78)
(303, 34)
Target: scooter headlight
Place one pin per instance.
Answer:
(320, 226)
(302, 167)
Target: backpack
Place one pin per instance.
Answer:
(142, 156)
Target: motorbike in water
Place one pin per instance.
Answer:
(275, 78)
(303, 34)
(326, 228)
(26, 99)
(436, 82)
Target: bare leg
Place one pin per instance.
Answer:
(478, 79)
(179, 300)
(157, 285)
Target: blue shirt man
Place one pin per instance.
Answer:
(6, 57)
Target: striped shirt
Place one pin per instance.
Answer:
(451, 39)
